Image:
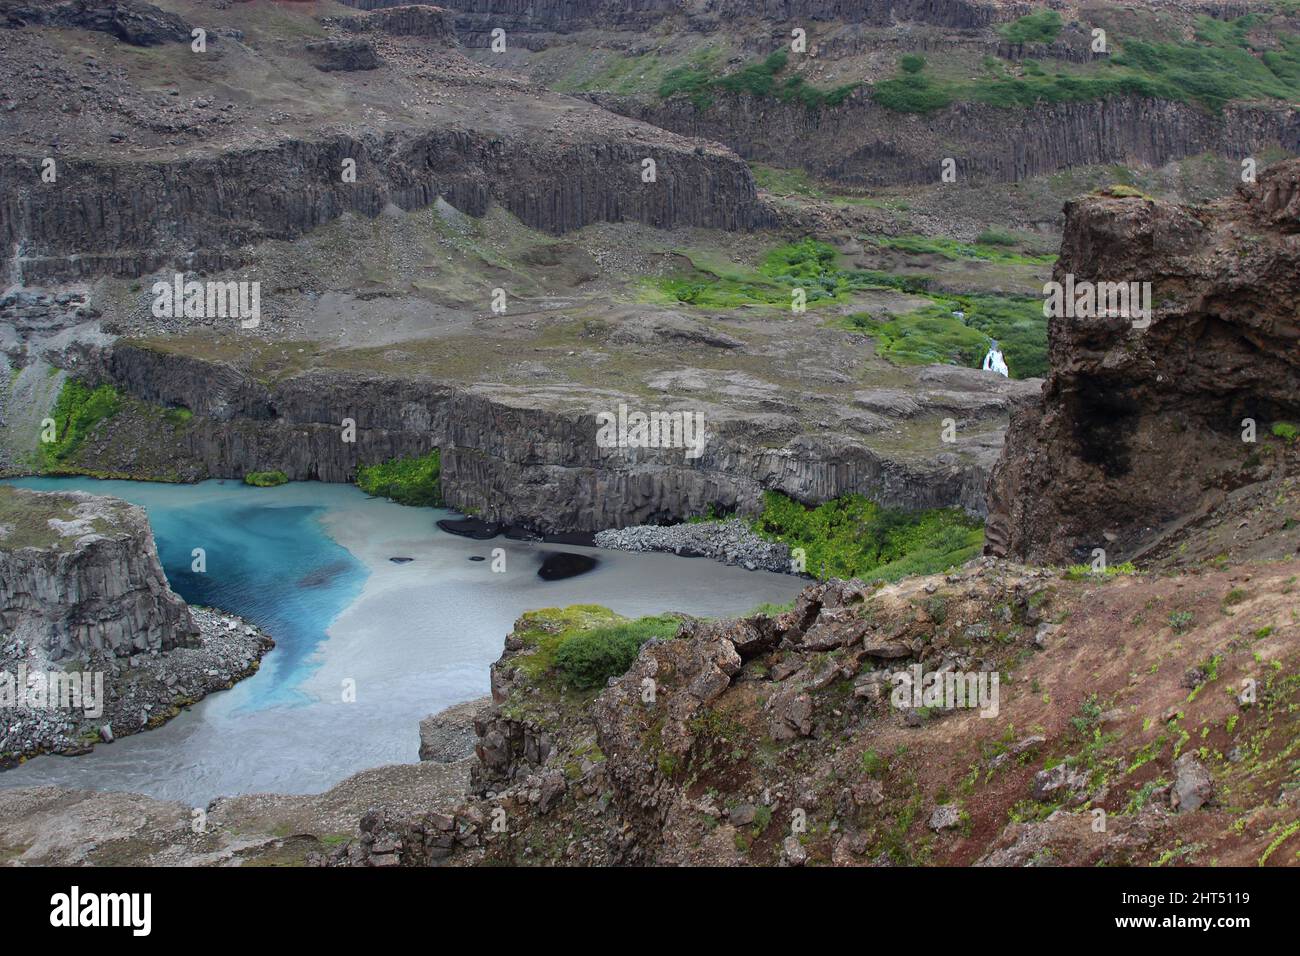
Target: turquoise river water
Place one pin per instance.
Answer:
(309, 562)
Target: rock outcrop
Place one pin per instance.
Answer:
(865, 144)
(79, 575)
(94, 644)
(131, 21)
(342, 55)
(1138, 427)
(475, 19)
(783, 740)
(130, 218)
(410, 20)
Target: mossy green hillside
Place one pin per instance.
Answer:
(764, 78)
(958, 331)
(1245, 59)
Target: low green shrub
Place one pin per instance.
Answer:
(996, 237)
(1042, 26)
(178, 416)
(589, 658)
(408, 481)
(265, 479)
(911, 63)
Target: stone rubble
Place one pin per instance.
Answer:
(731, 541)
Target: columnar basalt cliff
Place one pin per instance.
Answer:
(503, 456)
(863, 143)
(412, 20)
(475, 19)
(1141, 426)
(79, 575)
(128, 218)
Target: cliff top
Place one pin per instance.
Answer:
(57, 521)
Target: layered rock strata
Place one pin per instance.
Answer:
(509, 460)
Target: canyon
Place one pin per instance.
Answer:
(477, 228)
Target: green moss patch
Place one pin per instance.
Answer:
(77, 411)
(855, 537)
(265, 479)
(958, 331)
(764, 78)
(408, 481)
(808, 264)
(991, 246)
(583, 645)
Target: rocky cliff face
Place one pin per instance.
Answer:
(139, 24)
(865, 144)
(475, 19)
(130, 218)
(505, 456)
(413, 20)
(786, 741)
(79, 576)
(1139, 427)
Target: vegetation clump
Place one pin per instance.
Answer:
(77, 411)
(700, 84)
(583, 645)
(959, 330)
(1040, 27)
(265, 479)
(408, 481)
(589, 658)
(912, 92)
(853, 537)
(808, 264)
(1078, 572)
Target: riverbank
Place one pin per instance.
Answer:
(140, 692)
(732, 542)
(366, 646)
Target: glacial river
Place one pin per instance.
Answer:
(309, 562)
